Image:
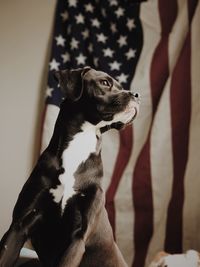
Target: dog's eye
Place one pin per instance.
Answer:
(105, 83)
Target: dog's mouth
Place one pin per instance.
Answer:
(134, 116)
(123, 118)
(129, 122)
(131, 112)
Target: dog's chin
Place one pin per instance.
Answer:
(123, 119)
(120, 125)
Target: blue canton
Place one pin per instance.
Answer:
(105, 35)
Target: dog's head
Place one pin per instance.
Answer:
(101, 98)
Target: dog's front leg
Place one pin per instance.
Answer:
(10, 246)
(74, 254)
(15, 237)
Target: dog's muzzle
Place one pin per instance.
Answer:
(132, 108)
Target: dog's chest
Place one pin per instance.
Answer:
(78, 151)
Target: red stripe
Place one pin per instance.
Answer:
(126, 142)
(180, 114)
(142, 186)
(142, 199)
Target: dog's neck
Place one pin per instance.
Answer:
(69, 123)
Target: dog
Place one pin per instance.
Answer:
(61, 206)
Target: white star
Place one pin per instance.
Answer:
(113, 27)
(130, 24)
(113, 3)
(90, 48)
(89, 8)
(119, 12)
(80, 19)
(115, 65)
(81, 59)
(72, 3)
(108, 52)
(101, 38)
(130, 54)
(49, 92)
(122, 78)
(64, 15)
(60, 40)
(122, 40)
(54, 64)
(65, 57)
(103, 12)
(85, 34)
(96, 63)
(69, 29)
(74, 43)
(96, 23)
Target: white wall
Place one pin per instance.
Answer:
(25, 35)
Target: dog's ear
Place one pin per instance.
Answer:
(71, 82)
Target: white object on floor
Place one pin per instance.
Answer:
(28, 253)
(190, 259)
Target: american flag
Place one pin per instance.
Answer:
(151, 169)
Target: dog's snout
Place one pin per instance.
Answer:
(135, 96)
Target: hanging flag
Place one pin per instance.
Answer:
(151, 169)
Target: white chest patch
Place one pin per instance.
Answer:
(57, 193)
(78, 151)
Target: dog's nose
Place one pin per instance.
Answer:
(136, 96)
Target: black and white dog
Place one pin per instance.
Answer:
(61, 206)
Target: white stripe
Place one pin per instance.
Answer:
(141, 84)
(124, 215)
(178, 34)
(161, 140)
(49, 122)
(191, 215)
(110, 148)
(161, 170)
